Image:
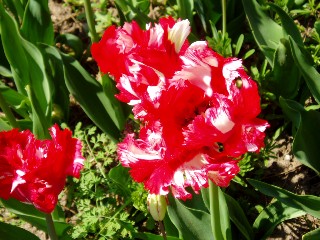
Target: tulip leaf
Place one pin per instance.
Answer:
(18, 102)
(307, 203)
(305, 64)
(271, 216)
(72, 41)
(151, 236)
(8, 231)
(185, 9)
(306, 123)
(28, 72)
(37, 25)
(191, 223)
(288, 26)
(266, 32)
(54, 68)
(90, 95)
(315, 234)
(238, 217)
(286, 79)
(30, 214)
(4, 126)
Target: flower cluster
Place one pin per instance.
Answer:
(34, 171)
(198, 110)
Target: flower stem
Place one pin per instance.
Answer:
(51, 229)
(90, 21)
(7, 111)
(224, 17)
(162, 230)
(214, 211)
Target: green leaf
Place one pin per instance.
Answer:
(151, 236)
(238, 217)
(307, 203)
(4, 126)
(315, 234)
(191, 223)
(286, 78)
(271, 216)
(266, 32)
(29, 73)
(185, 9)
(310, 74)
(54, 67)
(18, 102)
(306, 141)
(90, 95)
(72, 41)
(37, 25)
(288, 26)
(30, 214)
(305, 144)
(8, 231)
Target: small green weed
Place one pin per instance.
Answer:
(108, 204)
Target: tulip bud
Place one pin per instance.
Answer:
(157, 206)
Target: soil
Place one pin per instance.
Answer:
(283, 171)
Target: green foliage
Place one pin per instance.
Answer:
(107, 204)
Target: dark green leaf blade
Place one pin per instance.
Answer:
(315, 234)
(8, 231)
(238, 217)
(90, 95)
(37, 25)
(307, 203)
(191, 223)
(309, 73)
(271, 216)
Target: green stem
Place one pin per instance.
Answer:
(7, 111)
(214, 211)
(224, 17)
(90, 21)
(51, 229)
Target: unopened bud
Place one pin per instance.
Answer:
(157, 206)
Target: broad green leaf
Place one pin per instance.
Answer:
(18, 102)
(286, 78)
(310, 74)
(73, 42)
(90, 95)
(306, 141)
(191, 223)
(29, 73)
(305, 144)
(37, 25)
(307, 203)
(60, 93)
(266, 32)
(288, 26)
(8, 231)
(271, 216)
(292, 110)
(30, 214)
(185, 9)
(12, 47)
(4, 126)
(151, 236)
(238, 217)
(16, 7)
(315, 234)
